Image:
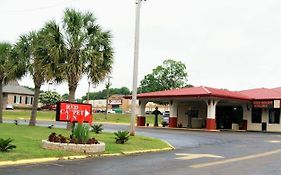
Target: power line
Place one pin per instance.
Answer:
(38, 8)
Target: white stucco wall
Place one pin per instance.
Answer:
(271, 127)
(184, 107)
(265, 118)
(182, 117)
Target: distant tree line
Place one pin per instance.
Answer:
(103, 94)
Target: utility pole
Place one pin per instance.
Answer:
(135, 71)
(107, 95)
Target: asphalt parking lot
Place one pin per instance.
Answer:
(196, 153)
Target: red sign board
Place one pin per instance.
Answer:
(263, 104)
(115, 102)
(74, 112)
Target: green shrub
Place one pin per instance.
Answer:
(5, 145)
(121, 137)
(97, 128)
(23, 107)
(81, 132)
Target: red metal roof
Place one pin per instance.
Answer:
(195, 92)
(201, 91)
(262, 93)
(278, 89)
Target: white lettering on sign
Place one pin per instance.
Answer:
(71, 106)
(86, 113)
(74, 110)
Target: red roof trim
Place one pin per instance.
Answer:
(194, 92)
(246, 95)
(206, 90)
(188, 96)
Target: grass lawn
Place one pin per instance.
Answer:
(122, 118)
(28, 142)
(25, 114)
(98, 117)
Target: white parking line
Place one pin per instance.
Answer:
(273, 141)
(195, 156)
(202, 165)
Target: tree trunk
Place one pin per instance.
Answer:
(1, 101)
(71, 98)
(32, 120)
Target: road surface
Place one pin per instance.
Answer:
(208, 153)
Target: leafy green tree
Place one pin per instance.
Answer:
(65, 97)
(79, 100)
(123, 91)
(31, 48)
(81, 47)
(11, 68)
(170, 75)
(95, 95)
(102, 94)
(49, 98)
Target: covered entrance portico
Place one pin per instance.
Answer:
(201, 107)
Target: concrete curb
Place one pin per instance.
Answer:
(178, 129)
(171, 146)
(147, 151)
(52, 159)
(112, 123)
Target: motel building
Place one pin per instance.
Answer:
(216, 109)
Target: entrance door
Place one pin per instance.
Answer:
(226, 115)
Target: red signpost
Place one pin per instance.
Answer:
(74, 112)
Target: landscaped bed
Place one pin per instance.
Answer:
(28, 141)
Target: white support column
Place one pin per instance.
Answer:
(246, 115)
(211, 113)
(141, 108)
(141, 113)
(173, 113)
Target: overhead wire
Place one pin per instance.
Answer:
(37, 8)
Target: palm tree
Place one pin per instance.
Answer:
(81, 47)
(10, 68)
(31, 48)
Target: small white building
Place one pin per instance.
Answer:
(97, 104)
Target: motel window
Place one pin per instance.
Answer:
(256, 115)
(274, 116)
(28, 100)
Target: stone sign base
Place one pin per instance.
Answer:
(83, 148)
